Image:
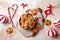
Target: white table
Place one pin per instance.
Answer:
(32, 4)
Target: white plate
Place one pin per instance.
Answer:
(27, 33)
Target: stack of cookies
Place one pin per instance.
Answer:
(28, 22)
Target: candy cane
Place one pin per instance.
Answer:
(11, 17)
(15, 10)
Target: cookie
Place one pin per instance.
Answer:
(26, 21)
(32, 11)
(47, 22)
(9, 30)
(35, 29)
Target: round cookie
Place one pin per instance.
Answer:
(26, 21)
(47, 22)
(35, 29)
(32, 11)
(9, 30)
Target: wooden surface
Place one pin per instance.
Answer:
(42, 34)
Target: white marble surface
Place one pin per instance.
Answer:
(31, 4)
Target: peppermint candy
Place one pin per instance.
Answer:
(3, 19)
(51, 33)
(57, 23)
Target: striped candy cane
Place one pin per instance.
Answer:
(14, 10)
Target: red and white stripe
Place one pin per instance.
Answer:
(3, 19)
(51, 33)
(57, 24)
(9, 13)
